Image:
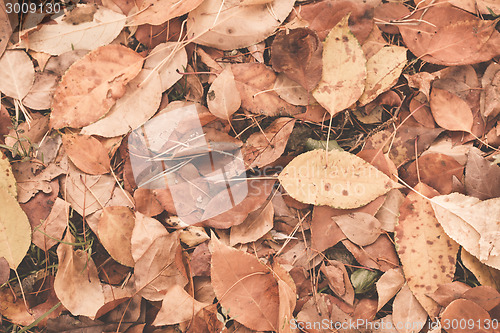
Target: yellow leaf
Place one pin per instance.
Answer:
(15, 230)
(344, 70)
(7, 180)
(341, 180)
(383, 71)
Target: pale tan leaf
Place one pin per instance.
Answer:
(92, 85)
(223, 98)
(15, 230)
(337, 179)
(156, 12)
(146, 230)
(388, 213)
(427, 254)
(177, 307)
(360, 228)
(63, 35)
(383, 70)
(344, 70)
(408, 316)
(54, 225)
(131, 111)
(292, 92)
(86, 193)
(169, 60)
(193, 236)
(256, 225)
(472, 223)
(388, 285)
(18, 74)
(228, 25)
(7, 180)
(87, 153)
(77, 282)
(115, 232)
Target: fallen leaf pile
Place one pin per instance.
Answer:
(250, 166)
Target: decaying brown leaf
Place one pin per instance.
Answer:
(223, 98)
(297, 53)
(87, 153)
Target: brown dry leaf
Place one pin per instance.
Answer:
(436, 170)
(373, 43)
(382, 71)
(482, 178)
(42, 92)
(229, 25)
(258, 192)
(18, 74)
(450, 111)
(156, 12)
(178, 306)
(146, 230)
(146, 202)
(92, 85)
(77, 282)
(28, 134)
(15, 230)
(86, 193)
(486, 275)
(448, 292)
(223, 98)
(490, 95)
(322, 16)
(160, 267)
(263, 148)
(335, 178)
(344, 70)
(472, 223)
(255, 82)
(408, 316)
(338, 280)
(388, 285)
(28, 184)
(115, 232)
(465, 311)
(132, 110)
(5, 28)
(379, 255)
(54, 225)
(297, 53)
(87, 153)
(256, 225)
(245, 286)
(450, 36)
(387, 13)
(485, 296)
(325, 232)
(360, 228)
(63, 35)
(4, 271)
(427, 254)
